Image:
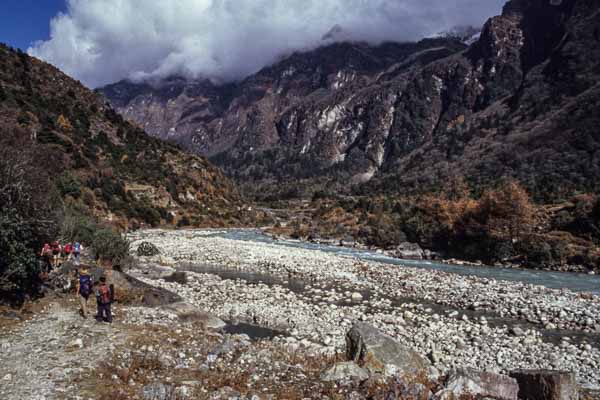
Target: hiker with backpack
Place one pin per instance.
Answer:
(104, 297)
(56, 250)
(46, 255)
(68, 250)
(84, 289)
(77, 249)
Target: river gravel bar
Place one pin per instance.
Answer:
(316, 296)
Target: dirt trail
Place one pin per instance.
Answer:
(43, 358)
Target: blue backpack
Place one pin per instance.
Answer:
(76, 247)
(85, 285)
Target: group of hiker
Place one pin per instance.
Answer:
(104, 295)
(54, 254)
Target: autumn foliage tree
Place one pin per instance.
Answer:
(492, 226)
(505, 212)
(486, 229)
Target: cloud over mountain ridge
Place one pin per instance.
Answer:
(102, 41)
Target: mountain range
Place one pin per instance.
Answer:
(521, 101)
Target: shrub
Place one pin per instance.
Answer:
(68, 185)
(78, 227)
(108, 245)
(18, 262)
(184, 221)
(105, 243)
(30, 213)
(538, 253)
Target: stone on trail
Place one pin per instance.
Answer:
(378, 352)
(157, 391)
(189, 313)
(356, 296)
(480, 384)
(147, 249)
(546, 385)
(345, 371)
(75, 344)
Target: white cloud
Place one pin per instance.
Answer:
(102, 41)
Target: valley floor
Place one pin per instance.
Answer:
(315, 297)
(303, 302)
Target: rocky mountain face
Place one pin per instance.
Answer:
(519, 102)
(295, 118)
(111, 167)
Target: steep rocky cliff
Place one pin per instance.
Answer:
(518, 102)
(96, 158)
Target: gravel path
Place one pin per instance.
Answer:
(43, 357)
(324, 309)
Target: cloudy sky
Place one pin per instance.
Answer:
(103, 41)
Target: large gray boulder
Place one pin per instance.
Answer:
(345, 371)
(465, 382)
(546, 385)
(411, 251)
(147, 249)
(379, 353)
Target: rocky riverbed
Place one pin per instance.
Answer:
(315, 297)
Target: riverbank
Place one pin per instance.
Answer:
(452, 319)
(414, 252)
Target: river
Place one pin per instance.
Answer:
(554, 280)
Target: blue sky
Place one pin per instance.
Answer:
(25, 21)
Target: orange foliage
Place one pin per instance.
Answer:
(64, 124)
(507, 211)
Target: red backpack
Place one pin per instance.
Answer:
(104, 292)
(68, 248)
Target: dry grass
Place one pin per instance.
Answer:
(263, 368)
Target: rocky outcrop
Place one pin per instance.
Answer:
(410, 251)
(312, 111)
(479, 384)
(546, 385)
(378, 352)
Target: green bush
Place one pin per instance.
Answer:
(108, 245)
(68, 185)
(103, 242)
(78, 227)
(30, 214)
(18, 262)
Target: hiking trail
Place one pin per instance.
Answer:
(42, 358)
